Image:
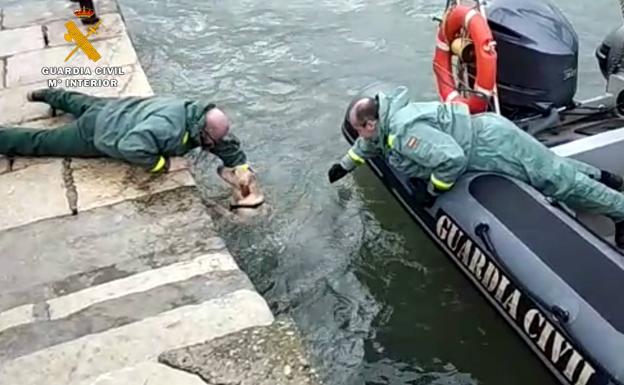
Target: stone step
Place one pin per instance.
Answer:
(58, 256)
(64, 306)
(261, 355)
(145, 373)
(133, 343)
(89, 296)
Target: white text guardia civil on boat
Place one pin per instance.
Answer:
(529, 318)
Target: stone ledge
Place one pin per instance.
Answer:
(71, 253)
(261, 355)
(114, 52)
(107, 315)
(16, 109)
(112, 26)
(138, 342)
(35, 12)
(40, 11)
(146, 373)
(32, 194)
(20, 40)
(132, 83)
(2, 80)
(103, 182)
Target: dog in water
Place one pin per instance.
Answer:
(247, 199)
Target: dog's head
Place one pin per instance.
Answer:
(247, 197)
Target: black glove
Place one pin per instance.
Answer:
(428, 199)
(422, 195)
(336, 172)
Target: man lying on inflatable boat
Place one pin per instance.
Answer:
(437, 142)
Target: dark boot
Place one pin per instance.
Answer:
(619, 234)
(611, 180)
(35, 95)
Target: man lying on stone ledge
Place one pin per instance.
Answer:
(145, 131)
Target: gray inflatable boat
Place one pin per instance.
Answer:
(553, 274)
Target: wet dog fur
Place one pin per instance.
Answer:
(247, 199)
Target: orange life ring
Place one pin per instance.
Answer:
(469, 18)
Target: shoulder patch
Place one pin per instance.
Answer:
(412, 142)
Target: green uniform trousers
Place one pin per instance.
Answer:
(499, 146)
(72, 140)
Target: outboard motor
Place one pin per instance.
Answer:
(537, 56)
(610, 53)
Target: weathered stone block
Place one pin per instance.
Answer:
(114, 52)
(4, 164)
(146, 373)
(96, 354)
(42, 11)
(132, 83)
(102, 182)
(112, 26)
(31, 12)
(262, 355)
(32, 194)
(13, 41)
(16, 316)
(2, 64)
(68, 254)
(16, 109)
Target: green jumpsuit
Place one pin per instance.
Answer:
(145, 131)
(438, 142)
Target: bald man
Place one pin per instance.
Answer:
(438, 142)
(146, 131)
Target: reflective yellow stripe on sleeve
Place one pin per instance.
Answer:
(439, 184)
(355, 157)
(159, 165)
(390, 140)
(243, 167)
(185, 138)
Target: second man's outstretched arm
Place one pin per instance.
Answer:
(361, 150)
(229, 150)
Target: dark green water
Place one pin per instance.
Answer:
(376, 301)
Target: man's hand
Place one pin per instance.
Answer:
(431, 194)
(423, 193)
(336, 172)
(428, 199)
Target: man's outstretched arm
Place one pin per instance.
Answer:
(361, 150)
(229, 150)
